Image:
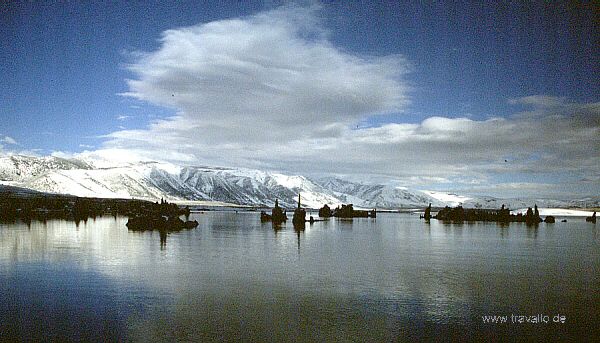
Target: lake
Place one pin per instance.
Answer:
(393, 278)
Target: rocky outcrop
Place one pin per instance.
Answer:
(277, 216)
(325, 211)
(591, 219)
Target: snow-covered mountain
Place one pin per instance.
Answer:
(378, 196)
(152, 180)
(18, 168)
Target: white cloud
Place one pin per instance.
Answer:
(539, 190)
(539, 101)
(8, 140)
(4, 151)
(270, 91)
(265, 78)
(435, 147)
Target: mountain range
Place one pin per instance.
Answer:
(239, 186)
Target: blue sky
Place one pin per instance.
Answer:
(64, 65)
(82, 78)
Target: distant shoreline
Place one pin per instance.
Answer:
(558, 212)
(12, 192)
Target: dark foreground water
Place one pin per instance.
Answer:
(394, 278)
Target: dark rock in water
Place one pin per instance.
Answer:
(460, 214)
(157, 222)
(373, 213)
(299, 219)
(277, 216)
(503, 215)
(532, 217)
(591, 219)
(456, 214)
(264, 217)
(427, 215)
(299, 225)
(563, 221)
(325, 212)
(348, 211)
(143, 223)
(549, 219)
(163, 217)
(190, 224)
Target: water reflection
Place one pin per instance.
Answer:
(298, 236)
(62, 302)
(298, 228)
(503, 229)
(163, 239)
(532, 230)
(237, 278)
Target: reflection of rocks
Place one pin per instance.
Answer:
(163, 238)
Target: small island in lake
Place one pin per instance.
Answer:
(277, 216)
(503, 215)
(163, 216)
(592, 218)
(325, 212)
(348, 211)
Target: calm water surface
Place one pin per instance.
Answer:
(394, 278)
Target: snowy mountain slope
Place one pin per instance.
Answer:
(449, 199)
(152, 180)
(105, 183)
(19, 168)
(380, 196)
(159, 180)
(245, 186)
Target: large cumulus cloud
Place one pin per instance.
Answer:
(270, 76)
(270, 91)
